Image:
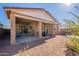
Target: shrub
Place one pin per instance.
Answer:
(73, 43)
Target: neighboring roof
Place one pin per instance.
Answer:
(37, 14)
(1, 24)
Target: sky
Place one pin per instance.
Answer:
(58, 10)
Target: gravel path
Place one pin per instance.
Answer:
(52, 47)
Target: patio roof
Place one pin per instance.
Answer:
(34, 12)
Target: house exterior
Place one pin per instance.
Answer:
(30, 21)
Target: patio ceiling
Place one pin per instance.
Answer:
(22, 20)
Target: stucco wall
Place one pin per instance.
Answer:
(35, 13)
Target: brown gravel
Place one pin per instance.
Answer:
(52, 47)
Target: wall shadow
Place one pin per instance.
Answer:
(13, 50)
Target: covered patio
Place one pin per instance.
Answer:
(28, 30)
(28, 24)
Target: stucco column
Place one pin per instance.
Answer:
(34, 28)
(49, 29)
(13, 29)
(40, 29)
(57, 29)
(52, 29)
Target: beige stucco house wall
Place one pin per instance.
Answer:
(36, 20)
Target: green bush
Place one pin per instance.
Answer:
(73, 43)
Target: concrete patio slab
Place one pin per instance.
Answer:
(26, 39)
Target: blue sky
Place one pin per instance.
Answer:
(59, 11)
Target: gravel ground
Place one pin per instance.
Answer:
(52, 47)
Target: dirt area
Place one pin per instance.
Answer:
(54, 46)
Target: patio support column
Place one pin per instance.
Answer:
(13, 29)
(40, 29)
(48, 29)
(57, 28)
(34, 28)
(52, 28)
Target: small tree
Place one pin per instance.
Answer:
(74, 27)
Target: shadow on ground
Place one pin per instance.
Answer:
(13, 50)
(70, 52)
(4, 41)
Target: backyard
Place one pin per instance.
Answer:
(30, 35)
(54, 46)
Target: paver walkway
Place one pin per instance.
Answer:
(52, 47)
